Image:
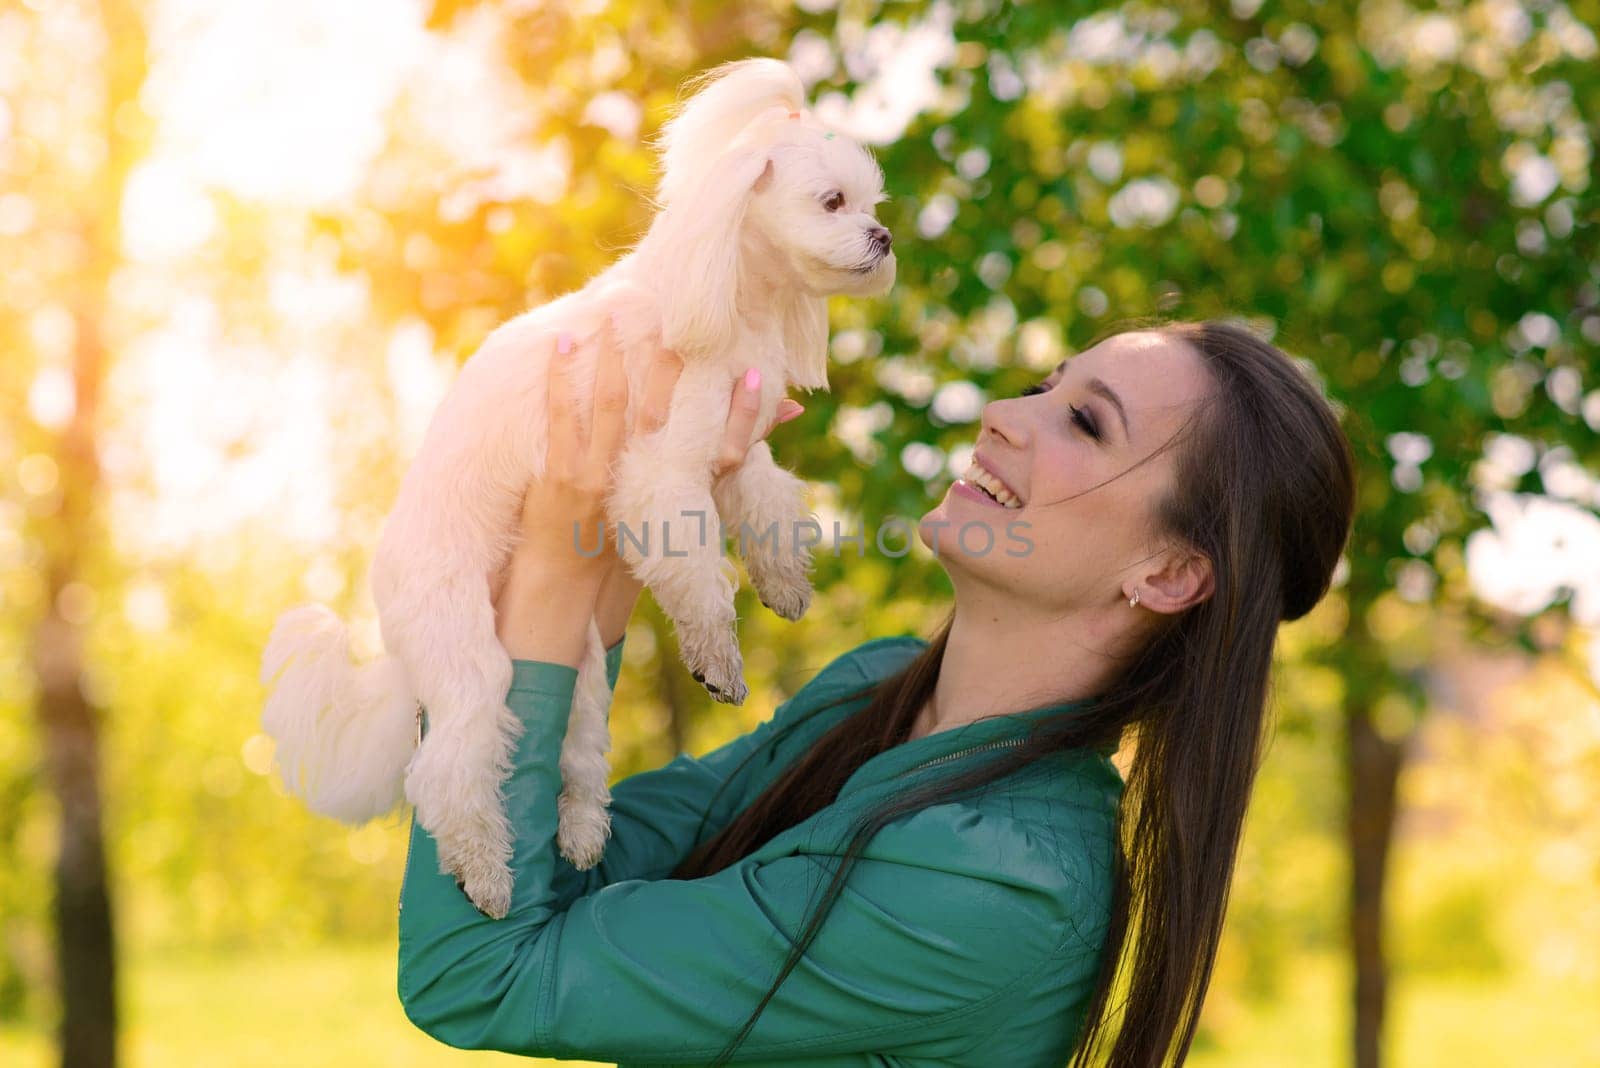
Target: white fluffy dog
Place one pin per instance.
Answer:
(763, 214)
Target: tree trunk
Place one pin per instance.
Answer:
(69, 723)
(1372, 773)
(85, 945)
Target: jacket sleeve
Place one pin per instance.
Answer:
(656, 815)
(925, 937)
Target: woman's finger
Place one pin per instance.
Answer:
(787, 409)
(652, 410)
(564, 444)
(738, 433)
(609, 426)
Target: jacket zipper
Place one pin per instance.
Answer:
(963, 752)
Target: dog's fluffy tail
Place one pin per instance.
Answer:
(345, 733)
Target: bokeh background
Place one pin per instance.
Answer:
(244, 246)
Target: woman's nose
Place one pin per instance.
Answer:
(1001, 419)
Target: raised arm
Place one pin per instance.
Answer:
(925, 938)
(541, 612)
(658, 816)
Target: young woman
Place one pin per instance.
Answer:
(926, 856)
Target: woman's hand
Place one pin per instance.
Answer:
(557, 568)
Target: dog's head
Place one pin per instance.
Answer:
(813, 205)
(752, 183)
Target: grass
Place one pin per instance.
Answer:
(336, 1007)
(326, 1008)
(1435, 1021)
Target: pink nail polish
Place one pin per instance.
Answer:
(564, 342)
(752, 379)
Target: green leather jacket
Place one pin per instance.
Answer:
(968, 934)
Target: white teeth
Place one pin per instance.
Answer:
(979, 477)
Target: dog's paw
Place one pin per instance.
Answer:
(487, 884)
(582, 830)
(730, 691)
(783, 582)
(788, 599)
(711, 653)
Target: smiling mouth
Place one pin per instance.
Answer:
(979, 479)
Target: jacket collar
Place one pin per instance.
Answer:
(953, 742)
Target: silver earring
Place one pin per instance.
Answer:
(1133, 602)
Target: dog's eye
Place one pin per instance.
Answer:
(833, 201)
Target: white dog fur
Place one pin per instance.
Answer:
(762, 214)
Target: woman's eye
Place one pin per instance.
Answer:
(1079, 415)
(833, 201)
(1083, 421)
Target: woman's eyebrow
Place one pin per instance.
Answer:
(1095, 385)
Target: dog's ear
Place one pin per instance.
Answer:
(764, 179)
(805, 339)
(724, 102)
(696, 237)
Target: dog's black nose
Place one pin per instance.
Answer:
(881, 237)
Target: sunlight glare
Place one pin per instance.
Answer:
(166, 214)
(895, 65)
(280, 101)
(228, 434)
(1535, 548)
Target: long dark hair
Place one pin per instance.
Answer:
(1265, 487)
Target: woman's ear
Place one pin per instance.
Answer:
(696, 238)
(1183, 582)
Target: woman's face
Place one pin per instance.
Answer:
(1080, 533)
